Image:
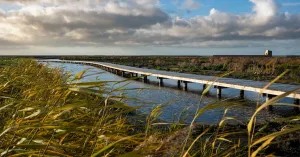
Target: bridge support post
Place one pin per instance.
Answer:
(185, 85)
(204, 87)
(145, 79)
(135, 75)
(268, 98)
(219, 92)
(179, 84)
(131, 75)
(242, 94)
(297, 102)
(160, 81)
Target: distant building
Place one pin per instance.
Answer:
(268, 53)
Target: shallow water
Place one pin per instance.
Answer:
(179, 100)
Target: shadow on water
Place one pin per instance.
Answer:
(180, 100)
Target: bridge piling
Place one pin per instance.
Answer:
(297, 102)
(160, 81)
(204, 87)
(185, 85)
(242, 94)
(179, 84)
(136, 76)
(145, 78)
(219, 92)
(268, 98)
(131, 75)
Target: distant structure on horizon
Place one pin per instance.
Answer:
(268, 53)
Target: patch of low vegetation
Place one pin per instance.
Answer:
(7, 61)
(252, 68)
(47, 112)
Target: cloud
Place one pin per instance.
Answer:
(67, 25)
(191, 5)
(130, 22)
(264, 10)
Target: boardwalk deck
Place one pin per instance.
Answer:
(244, 85)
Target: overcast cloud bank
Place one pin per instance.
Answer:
(54, 23)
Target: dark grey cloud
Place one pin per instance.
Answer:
(64, 20)
(129, 22)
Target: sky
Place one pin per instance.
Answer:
(149, 27)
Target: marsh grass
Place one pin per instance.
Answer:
(46, 112)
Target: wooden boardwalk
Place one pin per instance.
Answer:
(183, 79)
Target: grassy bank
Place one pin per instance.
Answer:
(252, 68)
(45, 112)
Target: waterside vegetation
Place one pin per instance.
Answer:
(47, 112)
(252, 68)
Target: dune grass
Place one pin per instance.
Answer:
(46, 112)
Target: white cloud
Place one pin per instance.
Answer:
(265, 10)
(191, 5)
(149, 2)
(130, 22)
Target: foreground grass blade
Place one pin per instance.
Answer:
(266, 104)
(273, 81)
(111, 145)
(190, 147)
